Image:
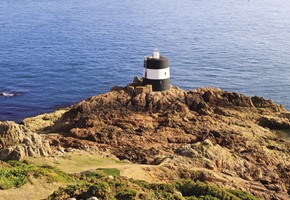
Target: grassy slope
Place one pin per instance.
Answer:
(40, 187)
(38, 179)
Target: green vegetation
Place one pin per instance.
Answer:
(16, 174)
(99, 184)
(242, 194)
(13, 176)
(110, 171)
(106, 183)
(192, 190)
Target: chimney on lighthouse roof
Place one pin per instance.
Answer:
(156, 72)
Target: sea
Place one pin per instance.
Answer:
(55, 53)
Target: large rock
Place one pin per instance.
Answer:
(223, 133)
(17, 141)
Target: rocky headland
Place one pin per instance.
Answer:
(204, 134)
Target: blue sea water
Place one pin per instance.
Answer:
(54, 53)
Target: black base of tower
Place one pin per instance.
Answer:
(158, 85)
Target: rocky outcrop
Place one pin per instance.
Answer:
(16, 142)
(40, 123)
(222, 133)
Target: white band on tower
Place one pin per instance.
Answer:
(157, 74)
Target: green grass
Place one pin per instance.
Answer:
(110, 171)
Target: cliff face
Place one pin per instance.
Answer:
(206, 134)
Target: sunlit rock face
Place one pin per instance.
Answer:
(16, 142)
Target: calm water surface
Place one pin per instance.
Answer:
(55, 53)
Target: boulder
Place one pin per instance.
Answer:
(17, 141)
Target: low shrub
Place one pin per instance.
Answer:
(100, 189)
(126, 194)
(200, 190)
(242, 195)
(16, 174)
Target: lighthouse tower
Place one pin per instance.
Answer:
(156, 72)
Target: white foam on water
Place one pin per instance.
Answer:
(7, 94)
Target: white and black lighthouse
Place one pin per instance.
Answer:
(156, 72)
